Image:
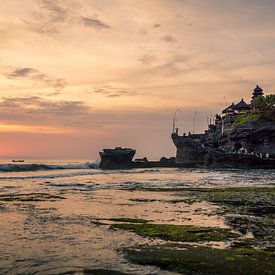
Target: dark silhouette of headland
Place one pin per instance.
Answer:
(242, 136)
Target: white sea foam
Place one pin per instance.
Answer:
(39, 167)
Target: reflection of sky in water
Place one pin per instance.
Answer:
(58, 236)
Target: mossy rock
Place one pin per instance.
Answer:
(259, 226)
(247, 200)
(247, 209)
(182, 233)
(203, 260)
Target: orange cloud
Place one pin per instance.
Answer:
(113, 72)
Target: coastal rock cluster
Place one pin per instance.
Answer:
(255, 137)
(242, 137)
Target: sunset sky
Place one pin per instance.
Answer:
(80, 75)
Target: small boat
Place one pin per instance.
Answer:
(18, 160)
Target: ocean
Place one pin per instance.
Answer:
(49, 211)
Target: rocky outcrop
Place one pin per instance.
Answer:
(255, 137)
(190, 151)
(221, 149)
(121, 158)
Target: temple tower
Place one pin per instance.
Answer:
(258, 91)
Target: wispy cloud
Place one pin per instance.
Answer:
(109, 91)
(49, 17)
(169, 38)
(54, 16)
(39, 111)
(156, 25)
(147, 59)
(35, 75)
(22, 72)
(94, 23)
(178, 64)
(56, 11)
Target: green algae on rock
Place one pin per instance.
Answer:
(248, 200)
(240, 200)
(203, 260)
(261, 227)
(182, 233)
(247, 209)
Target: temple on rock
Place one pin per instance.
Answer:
(242, 107)
(241, 136)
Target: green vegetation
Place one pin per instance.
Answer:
(264, 108)
(178, 233)
(246, 209)
(97, 222)
(265, 105)
(251, 117)
(203, 260)
(245, 200)
(234, 195)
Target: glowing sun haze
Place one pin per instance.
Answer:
(79, 75)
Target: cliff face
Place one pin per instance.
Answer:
(189, 151)
(217, 148)
(254, 137)
(242, 136)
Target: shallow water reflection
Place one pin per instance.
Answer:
(46, 216)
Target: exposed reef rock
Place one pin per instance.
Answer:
(121, 158)
(116, 158)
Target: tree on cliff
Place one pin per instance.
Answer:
(265, 105)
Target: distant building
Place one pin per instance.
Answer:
(258, 91)
(229, 109)
(242, 107)
(239, 108)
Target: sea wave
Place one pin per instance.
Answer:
(41, 167)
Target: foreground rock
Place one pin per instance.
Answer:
(203, 260)
(189, 249)
(178, 233)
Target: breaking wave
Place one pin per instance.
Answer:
(44, 167)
